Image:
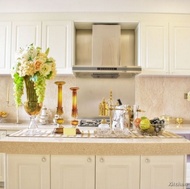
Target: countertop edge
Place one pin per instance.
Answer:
(95, 148)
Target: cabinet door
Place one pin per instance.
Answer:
(23, 34)
(2, 167)
(162, 172)
(179, 48)
(28, 171)
(5, 41)
(72, 172)
(58, 36)
(121, 172)
(154, 48)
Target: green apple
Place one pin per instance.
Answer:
(145, 123)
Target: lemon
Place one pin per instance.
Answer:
(145, 123)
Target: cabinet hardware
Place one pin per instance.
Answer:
(101, 160)
(89, 159)
(147, 160)
(43, 159)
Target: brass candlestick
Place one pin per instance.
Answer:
(74, 113)
(59, 113)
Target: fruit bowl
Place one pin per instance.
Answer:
(152, 127)
(154, 130)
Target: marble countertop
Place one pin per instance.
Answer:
(93, 146)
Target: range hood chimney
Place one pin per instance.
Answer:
(106, 55)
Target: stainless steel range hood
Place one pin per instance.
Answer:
(112, 53)
(106, 72)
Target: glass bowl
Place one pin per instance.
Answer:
(154, 130)
(103, 132)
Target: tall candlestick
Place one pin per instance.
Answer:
(74, 113)
(59, 103)
(74, 102)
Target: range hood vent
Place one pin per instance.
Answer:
(106, 72)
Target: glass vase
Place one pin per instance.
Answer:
(31, 106)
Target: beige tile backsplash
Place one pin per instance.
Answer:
(155, 94)
(163, 95)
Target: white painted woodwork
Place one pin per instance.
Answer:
(179, 48)
(154, 47)
(28, 171)
(25, 33)
(5, 42)
(72, 172)
(121, 172)
(2, 167)
(95, 172)
(160, 172)
(58, 36)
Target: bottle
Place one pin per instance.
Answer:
(44, 116)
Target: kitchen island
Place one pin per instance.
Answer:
(89, 162)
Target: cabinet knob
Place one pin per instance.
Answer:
(89, 159)
(147, 160)
(101, 160)
(43, 159)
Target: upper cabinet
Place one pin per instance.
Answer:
(165, 48)
(154, 48)
(5, 42)
(179, 48)
(58, 36)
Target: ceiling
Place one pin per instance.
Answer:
(150, 6)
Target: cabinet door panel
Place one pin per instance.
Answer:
(2, 164)
(58, 36)
(5, 41)
(154, 48)
(162, 172)
(179, 48)
(121, 172)
(23, 34)
(28, 171)
(72, 172)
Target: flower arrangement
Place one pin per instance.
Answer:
(35, 65)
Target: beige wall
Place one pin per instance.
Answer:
(156, 95)
(163, 96)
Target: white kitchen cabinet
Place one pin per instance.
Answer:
(2, 160)
(59, 37)
(28, 171)
(179, 48)
(5, 42)
(2, 167)
(25, 33)
(154, 48)
(95, 172)
(72, 172)
(162, 172)
(121, 172)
